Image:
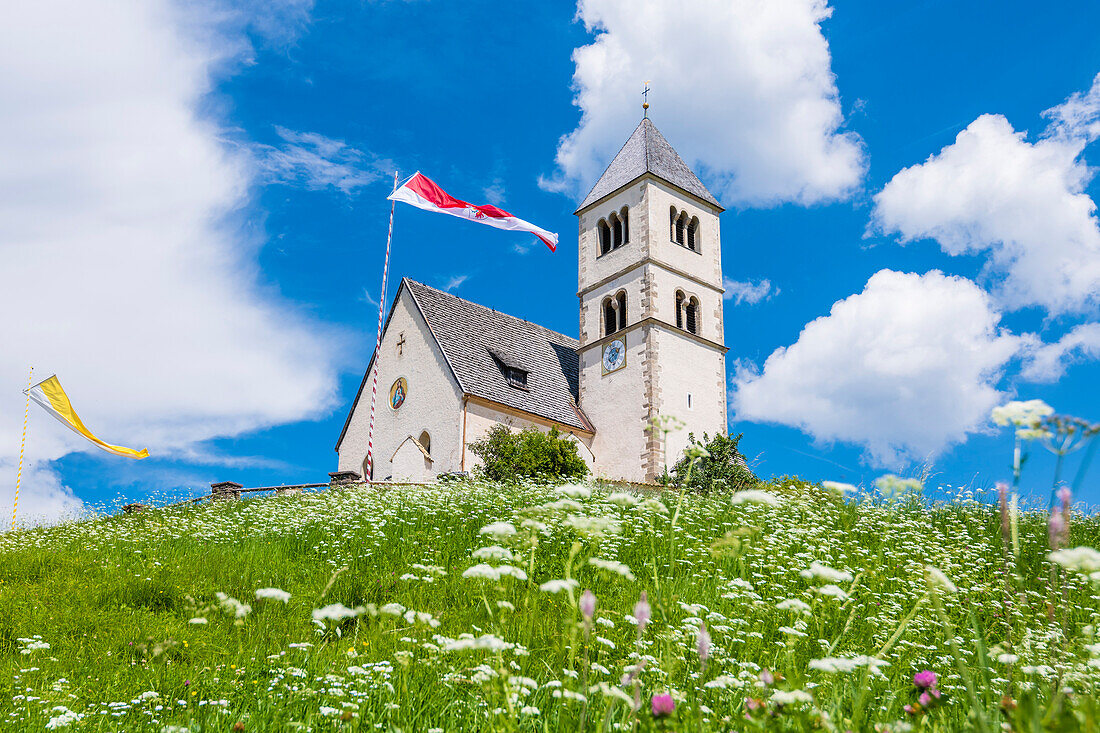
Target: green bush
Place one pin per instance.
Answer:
(528, 454)
(724, 469)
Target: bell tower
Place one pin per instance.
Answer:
(650, 289)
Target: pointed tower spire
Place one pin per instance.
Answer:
(647, 151)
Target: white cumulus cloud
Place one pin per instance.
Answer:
(742, 88)
(905, 368)
(313, 161)
(1022, 204)
(128, 267)
(746, 291)
(1048, 362)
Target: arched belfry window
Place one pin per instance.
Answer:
(624, 215)
(616, 231)
(693, 234)
(614, 313)
(681, 227)
(679, 309)
(604, 233)
(672, 214)
(691, 316)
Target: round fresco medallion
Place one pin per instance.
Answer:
(398, 392)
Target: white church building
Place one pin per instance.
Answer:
(651, 342)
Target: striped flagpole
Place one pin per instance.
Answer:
(22, 446)
(378, 343)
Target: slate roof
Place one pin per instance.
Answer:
(471, 335)
(647, 151)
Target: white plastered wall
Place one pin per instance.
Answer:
(704, 264)
(616, 405)
(410, 464)
(688, 367)
(481, 418)
(433, 403)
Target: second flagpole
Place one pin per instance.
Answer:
(378, 342)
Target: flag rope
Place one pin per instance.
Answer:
(378, 342)
(22, 447)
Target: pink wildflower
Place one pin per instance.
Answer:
(642, 612)
(588, 605)
(925, 679)
(662, 705)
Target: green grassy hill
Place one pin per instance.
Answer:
(460, 608)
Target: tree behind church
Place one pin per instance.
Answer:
(529, 454)
(722, 469)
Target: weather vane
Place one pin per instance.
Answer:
(645, 99)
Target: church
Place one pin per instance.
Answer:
(651, 342)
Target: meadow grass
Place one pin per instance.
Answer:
(151, 621)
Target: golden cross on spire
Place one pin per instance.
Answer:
(645, 99)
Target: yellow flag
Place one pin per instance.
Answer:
(53, 400)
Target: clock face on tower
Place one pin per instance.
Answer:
(614, 356)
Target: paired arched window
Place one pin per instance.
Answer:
(687, 312)
(682, 229)
(604, 233)
(614, 231)
(614, 313)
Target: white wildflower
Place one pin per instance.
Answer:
(793, 604)
(592, 526)
(574, 491)
(486, 642)
(791, 697)
(622, 499)
(839, 488)
(755, 496)
(826, 573)
(557, 586)
(1081, 559)
(493, 552)
(832, 590)
(482, 571)
(724, 681)
(498, 529)
(274, 594)
(238, 609)
(895, 487)
(1021, 413)
(612, 566)
(652, 505)
(509, 570)
(63, 719)
(335, 612)
(198, 621)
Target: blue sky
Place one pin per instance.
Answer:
(196, 216)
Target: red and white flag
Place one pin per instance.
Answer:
(423, 193)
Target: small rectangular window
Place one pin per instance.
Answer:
(689, 400)
(516, 377)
